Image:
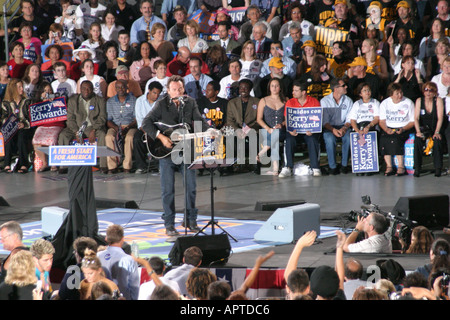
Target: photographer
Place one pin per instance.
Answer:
(377, 239)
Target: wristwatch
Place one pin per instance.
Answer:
(355, 230)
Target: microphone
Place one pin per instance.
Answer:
(82, 128)
(181, 99)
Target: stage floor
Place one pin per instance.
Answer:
(235, 198)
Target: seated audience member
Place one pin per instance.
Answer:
(241, 111)
(110, 27)
(45, 134)
(429, 122)
(164, 292)
(160, 76)
(223, 18)
(54, 53)
(276, 67)
(301, 100)
(336, 108)
(421, 241)
(17, 64)
(143, 106)
(107, 69)
(162, 47)
(318, 78)
(218, 290)
(359, 71)
(439, 257)
(276, 51)
(91, 12)
(251, 65)
(86, 105)
(217, 62)
(88, 74)
(176, 32)
(146, 289)
(81, 54)
(123, 268)
(395, 129)
(229, 88)
(17, 104)
(253, 14)
(212, 107)
(227, 42)
(141, 27)
(121, 124)
(11, 235)
(262, 43)
(95, 41)
(32, 45)
(62, 84)
(375, 226)
(179, 66)
(442, 80)
(292, 44)
(195, 83)
(126, 13)
(122, 73)
(32, 78)
(193, 42)
(126, 50)
(142, 69)
(296, 12)
(192, 258)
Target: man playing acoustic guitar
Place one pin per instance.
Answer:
(173, 109)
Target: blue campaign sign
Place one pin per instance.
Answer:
(364, 151)
(304, 119)
(10, 127)
(48, 112)
(72, 155)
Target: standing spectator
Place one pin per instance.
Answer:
(11, 235)
(43, 251)
(192, 258)
(21, 279)
(123, 268)
(336, 123)
(121, 121)
(158, 267)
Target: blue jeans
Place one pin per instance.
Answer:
(167, 173)
(312, 143)
(330, 144)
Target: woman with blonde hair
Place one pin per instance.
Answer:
(21, 280)
(93, 273)
(163, 47)
(376, 64)
(251, 66)
(193, 42)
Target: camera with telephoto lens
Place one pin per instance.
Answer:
(353, 215)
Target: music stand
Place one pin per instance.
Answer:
(211, 164)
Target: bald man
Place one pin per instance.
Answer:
(179, 66)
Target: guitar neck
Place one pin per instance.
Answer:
(190, 136)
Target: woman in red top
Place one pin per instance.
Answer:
(17, 64)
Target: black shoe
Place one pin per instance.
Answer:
(63, 170)
(345, 170)
(334, 171)
(192, 226)
(171, 231)
(438, 172)
(417, 173)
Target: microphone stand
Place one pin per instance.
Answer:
(184, 165)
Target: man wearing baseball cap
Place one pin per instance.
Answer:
(407, 21)
(276, 66)
(359, 67)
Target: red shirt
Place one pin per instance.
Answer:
(18, 70)
(310, 103)
(177, 68)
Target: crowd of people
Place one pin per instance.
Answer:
(389, 73)
(112, 272)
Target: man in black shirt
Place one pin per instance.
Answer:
(28, 14)
(212, 107)
(359, 67)
(173, 109)
(125, 14)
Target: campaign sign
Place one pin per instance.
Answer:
(48, 112)
(2, 146)
(72, 155)
(364, 152)
(408, 158)
(325, 37)
(204, 19)
(304, 119)
(10, 128)
(237, 15)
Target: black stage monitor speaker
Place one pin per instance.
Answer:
(215, 249)
(111, 203)
(429, 210)
(274, 205)
(288, 224)
(3, 202)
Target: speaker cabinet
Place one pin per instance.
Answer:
(429, 210)
(216, 249)
(52, 219)
(288, 224)
(274, 205)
